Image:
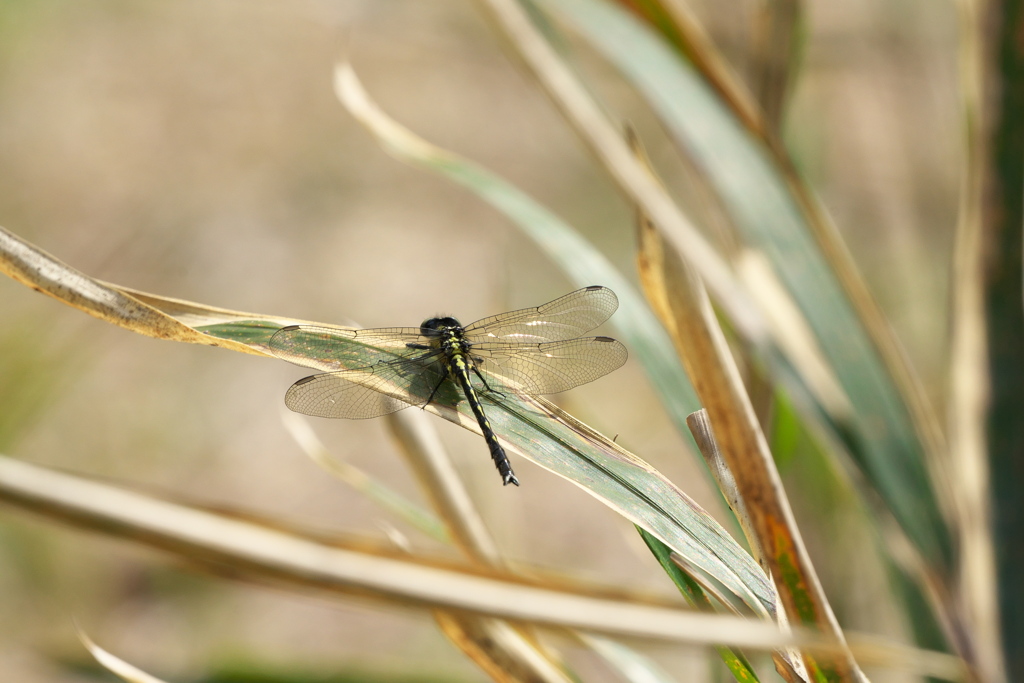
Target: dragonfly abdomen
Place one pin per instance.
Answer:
(460, 368)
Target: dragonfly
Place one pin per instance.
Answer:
(374, 372)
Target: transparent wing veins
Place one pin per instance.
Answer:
(551, 367)
(564, 318)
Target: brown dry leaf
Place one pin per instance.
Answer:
(682, 303)
(148, 314)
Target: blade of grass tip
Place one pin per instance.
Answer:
(146, 314)
(257, 551)
(700, 425)
(42, 272)
(682, 303)
(116, 665)
(892, 428)
(638, 492)
(695, 596)
(787, 662)
(969, 371)
(417, 517)
(577, 257)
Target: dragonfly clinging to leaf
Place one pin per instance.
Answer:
(529, 351)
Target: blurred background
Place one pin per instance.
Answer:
(196, 150)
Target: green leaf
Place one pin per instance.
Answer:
(766, 215)
(694, 594)
(539, 431)
(578, 258)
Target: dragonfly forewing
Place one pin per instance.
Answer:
(334, 349)
(564, 318)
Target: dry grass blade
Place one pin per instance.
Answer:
(605, 140)
(116, 665)
(360, 480)
(257, 551)
(969, 372)
(677, 22)
(774, 47)
(682, 303)
(148, 314)
(426, 454)
(504, 652)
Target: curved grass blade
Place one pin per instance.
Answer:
(297, 560)
(116, 665)
(770, 219)
(260, 552)
(539, 431)
(577, 257)
(683, 305)
(147, 314)
(360, 480)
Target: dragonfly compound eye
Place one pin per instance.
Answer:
(432, 326)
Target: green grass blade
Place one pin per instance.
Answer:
(769, 219)
(694, 594)
(541, 432)
(578, 258)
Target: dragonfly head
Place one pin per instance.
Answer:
(433, 327)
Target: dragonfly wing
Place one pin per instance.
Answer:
(335, 348)
(564, 318)
(330, 395)
(367, 392)
(550, 367)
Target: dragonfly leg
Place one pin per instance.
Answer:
(431, 397)
(486, 385)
